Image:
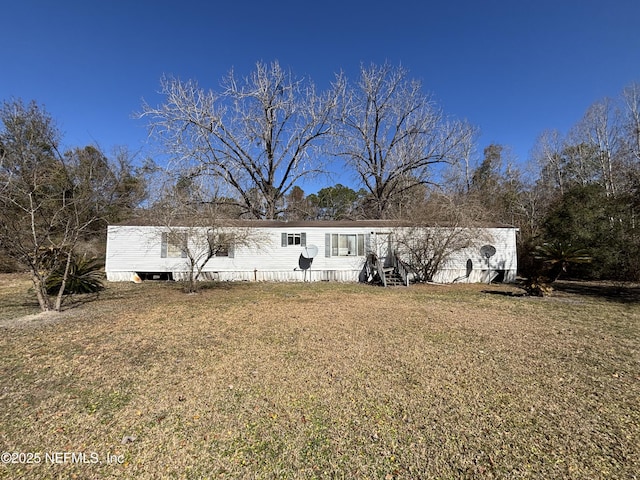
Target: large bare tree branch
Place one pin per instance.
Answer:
(258, 133)
(391, 133)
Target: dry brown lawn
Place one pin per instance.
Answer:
(321, 380)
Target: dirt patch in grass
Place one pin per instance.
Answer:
(32, 320)
(325, 380)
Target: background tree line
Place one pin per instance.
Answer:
(243, 151)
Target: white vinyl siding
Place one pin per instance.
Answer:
(139, 249)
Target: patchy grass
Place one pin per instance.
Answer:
(320, 381)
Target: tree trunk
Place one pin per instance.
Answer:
(41, 292)
(63, 285)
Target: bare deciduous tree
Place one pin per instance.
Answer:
(390, 131)
(47, 200)
(438, 230)
(193, 224)
(631, 99)
(458, 175)
(257, 133)
(547, 153)
(600, 130)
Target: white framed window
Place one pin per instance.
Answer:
(344, 245)
(293, 239)
(222, 245)
(174, 245)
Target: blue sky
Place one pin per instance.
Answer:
(513, 68)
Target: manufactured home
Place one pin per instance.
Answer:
(265, 250)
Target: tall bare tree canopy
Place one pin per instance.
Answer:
(392, 134)
(258, 133)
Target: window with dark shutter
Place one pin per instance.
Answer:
(293, 239)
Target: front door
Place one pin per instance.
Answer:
(383, 247)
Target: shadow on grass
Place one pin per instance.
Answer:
(615, 292)
(610, 291)
(505, 294)
(213, 285)
(78, 300)
(181, 286)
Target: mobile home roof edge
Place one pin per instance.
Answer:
(143, 222)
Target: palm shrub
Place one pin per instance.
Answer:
(557, 256)
(84, 276)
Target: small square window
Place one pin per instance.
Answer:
(293, 239)
(220, 245)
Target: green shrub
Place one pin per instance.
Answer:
(85, 276)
